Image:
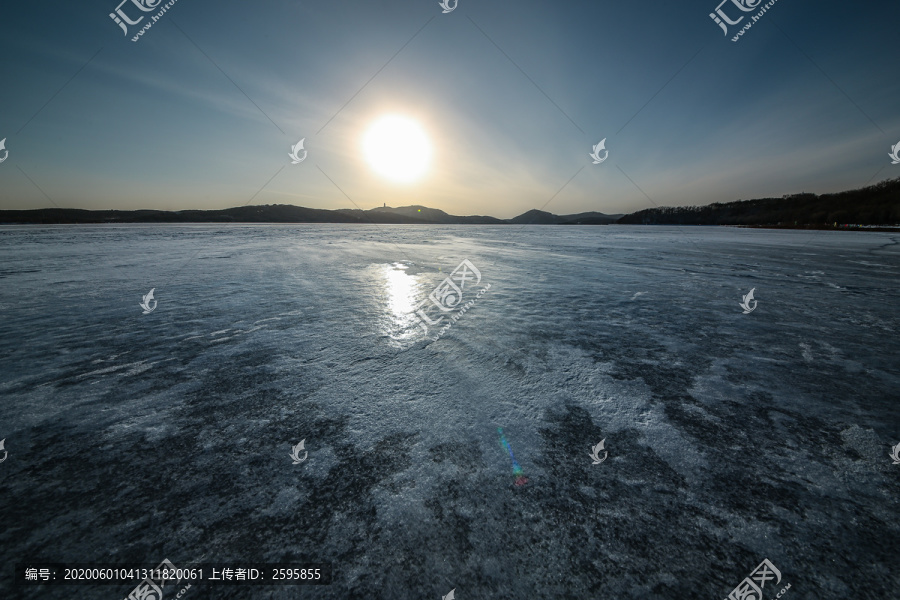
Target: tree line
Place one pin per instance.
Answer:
(877, 204)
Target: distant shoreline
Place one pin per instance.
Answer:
(845, 227)
(872, 208)
(285, 214)
(863, 228)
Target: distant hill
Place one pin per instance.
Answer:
(245, 214)
(424, 214)
(285, 213)
(877, 204)
(539, 217)
(535, 217)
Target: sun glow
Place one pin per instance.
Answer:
(397, 148)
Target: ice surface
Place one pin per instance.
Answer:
(732, 438)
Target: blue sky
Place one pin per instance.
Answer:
(512, 95)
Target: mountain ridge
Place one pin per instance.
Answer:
(287, 213)
(873, 205)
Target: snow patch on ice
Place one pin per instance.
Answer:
(806, 351)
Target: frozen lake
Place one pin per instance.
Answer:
(731, 437)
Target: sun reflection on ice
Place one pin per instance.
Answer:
(401, 291)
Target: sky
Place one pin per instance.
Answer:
(203, 110)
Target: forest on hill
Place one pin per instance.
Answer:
(877, 204)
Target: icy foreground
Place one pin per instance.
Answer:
(731, 437)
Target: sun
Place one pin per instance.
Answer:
(397, 148)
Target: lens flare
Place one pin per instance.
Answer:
(517, 470)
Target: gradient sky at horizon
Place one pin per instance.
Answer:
(512, 94)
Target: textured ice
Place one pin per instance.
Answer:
(732, 438)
